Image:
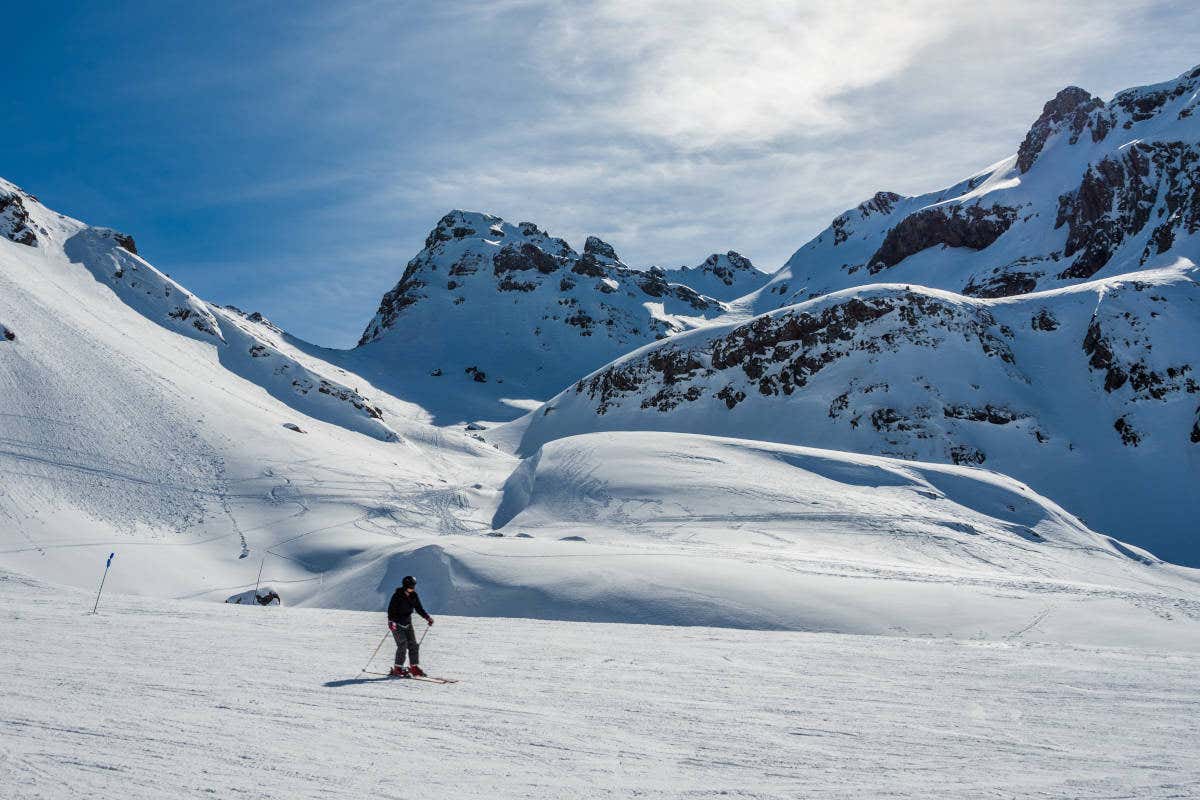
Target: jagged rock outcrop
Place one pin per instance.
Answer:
(15, 224)
(1071, 110)
(1118, 197)
(969, 226)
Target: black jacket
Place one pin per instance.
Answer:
(402, 607)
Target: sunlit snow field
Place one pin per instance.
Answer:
(153, 699)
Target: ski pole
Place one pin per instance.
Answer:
(427, 627)
(107, 564)
(372, 658)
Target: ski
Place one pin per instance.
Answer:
(426, 678)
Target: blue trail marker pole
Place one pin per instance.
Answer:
(107, 564)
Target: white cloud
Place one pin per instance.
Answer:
(705, 72)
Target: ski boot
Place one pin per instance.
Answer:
(416, 671)
(398, 672)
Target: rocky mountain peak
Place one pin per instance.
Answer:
(525, 308)
(600, 248)
(1071, 107)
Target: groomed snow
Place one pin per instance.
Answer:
(153, 699)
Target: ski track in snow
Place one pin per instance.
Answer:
(164, 698)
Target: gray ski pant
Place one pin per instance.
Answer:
(406, 639)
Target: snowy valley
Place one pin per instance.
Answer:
(954, 435)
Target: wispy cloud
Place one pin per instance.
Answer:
(705, 72)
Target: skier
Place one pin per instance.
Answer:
(400, 610)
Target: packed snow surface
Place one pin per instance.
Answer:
(182, 699)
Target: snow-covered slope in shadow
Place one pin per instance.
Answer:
(696, 530)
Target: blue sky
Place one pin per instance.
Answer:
(291, 157)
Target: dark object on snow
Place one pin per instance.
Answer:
(268, 598)
(291, 426)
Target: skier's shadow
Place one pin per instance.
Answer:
(353, 682)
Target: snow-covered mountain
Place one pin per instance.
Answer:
(1063, 353)
(725, 276)
(1091, 393)
(519, 311)
(203, 444)
(1095, 189)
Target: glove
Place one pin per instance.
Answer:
(430, 621)
(392, 626)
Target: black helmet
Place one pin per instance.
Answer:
(409, 582)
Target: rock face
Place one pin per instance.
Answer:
(1119, 196)
(725, 276)
(15, 224)
(969, 226)
(523, 308)
(1095, 189)
(1072, 109)
(931, 376)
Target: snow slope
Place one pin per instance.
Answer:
(1090, 393)
(137, 417)
(1095, 190)
(178, 699)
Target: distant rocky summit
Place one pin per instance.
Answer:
(513, 304)
(1095, 189)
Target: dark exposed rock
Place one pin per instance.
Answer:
(1044, 321)
(126, 241)
(1142, 104)
(350, 396)
(1102, 358)
(727, 274)
(965, 455)
(957, 226)
(1003, 284)
(1196, 428)
(404, 294)
(653, 282)
(989, 413)
(880, 203)
(1116, 197)
(15, 224)
(526, 256)
(778, 354)
(1073, 107)
(590, 266)
(1129, 436)
(7, 334)
(477, 374)
(509, 284)
(731, 396)
(598, 247)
